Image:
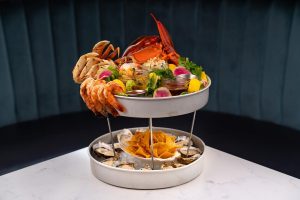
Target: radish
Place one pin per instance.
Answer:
(180, 70)
(162, 92)
(105, 74)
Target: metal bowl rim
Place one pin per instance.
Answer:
(146, 171)
(165, 98)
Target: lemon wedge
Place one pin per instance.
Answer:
(172, 67)
(194, 85)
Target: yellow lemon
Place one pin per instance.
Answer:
(194, 85)
(172, 67)
(203, 76)
(120, 83)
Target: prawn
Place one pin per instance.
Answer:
(84, 93)
(104, 102)
(112, 88)
(99, 107)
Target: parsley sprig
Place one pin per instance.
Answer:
(192, 67)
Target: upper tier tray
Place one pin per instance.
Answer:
(148, 107)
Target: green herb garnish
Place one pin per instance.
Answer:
(153, 83)
(164, 73)
(115, 73)
(192, 67)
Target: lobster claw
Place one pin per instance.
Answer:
(166, 41)
(140, 43)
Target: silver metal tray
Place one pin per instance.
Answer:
(151, 179)
(148, 107)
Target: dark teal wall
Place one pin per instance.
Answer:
(251, 50)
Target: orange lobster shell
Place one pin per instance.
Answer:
(146, 47)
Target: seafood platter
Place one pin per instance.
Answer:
(149, 80)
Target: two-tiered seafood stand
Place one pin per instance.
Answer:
(144, 107)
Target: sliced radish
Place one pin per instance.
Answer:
(105, 74)
(180, 70)
(162, 92)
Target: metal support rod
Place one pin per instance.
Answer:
(191, 133)
(151, 141)
(111, 135)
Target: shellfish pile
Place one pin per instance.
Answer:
(104, 153)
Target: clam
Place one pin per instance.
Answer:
(183, 140)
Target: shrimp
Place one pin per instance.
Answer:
(112, 88)
(84, 93)
(99, 107)
(104, 102)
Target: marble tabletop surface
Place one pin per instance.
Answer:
(224, 177)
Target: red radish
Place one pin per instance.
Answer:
(105, 74)
(162, 92)
(180, 70)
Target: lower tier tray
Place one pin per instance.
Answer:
(146, 179)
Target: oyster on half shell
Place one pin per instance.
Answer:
(183, 140)
(129, 166)
(104, 149)
(192, 151)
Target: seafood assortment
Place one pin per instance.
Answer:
(137, 159)
(149, 67)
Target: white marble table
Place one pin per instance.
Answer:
(224, 177)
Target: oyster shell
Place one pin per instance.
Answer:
(183, 140)
(192, 151)
(103, 149)
(188, 160)
(171, 165)
(129, 166)
(146, 167)
(110, 162)
(123, 137)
